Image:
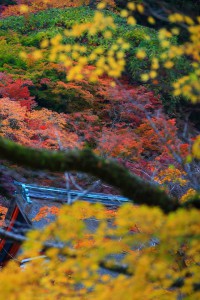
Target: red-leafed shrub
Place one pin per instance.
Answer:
(16, 90)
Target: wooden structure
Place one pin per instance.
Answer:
(28, 201)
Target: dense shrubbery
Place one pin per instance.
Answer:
(97, 116)
(29, 32)
(86, 100)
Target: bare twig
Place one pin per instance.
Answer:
(93, 186)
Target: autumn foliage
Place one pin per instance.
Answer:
(33, 6)
(70, 90)
(109, 115)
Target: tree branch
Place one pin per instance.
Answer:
(15, 237)
(86, 161)
(111, 267)
(111, 172)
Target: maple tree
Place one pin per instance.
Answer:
(36, 128)
(16, 90)
(107, 123)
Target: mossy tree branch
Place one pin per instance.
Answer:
(111, 172)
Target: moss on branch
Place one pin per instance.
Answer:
(111, 172)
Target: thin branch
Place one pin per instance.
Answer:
(159, 16)
(67, 177)
(74, 183)
(14, 237)
(93, 186)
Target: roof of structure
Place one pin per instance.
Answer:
(32, 198)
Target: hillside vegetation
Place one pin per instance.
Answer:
(86, 114)
(91, 99)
